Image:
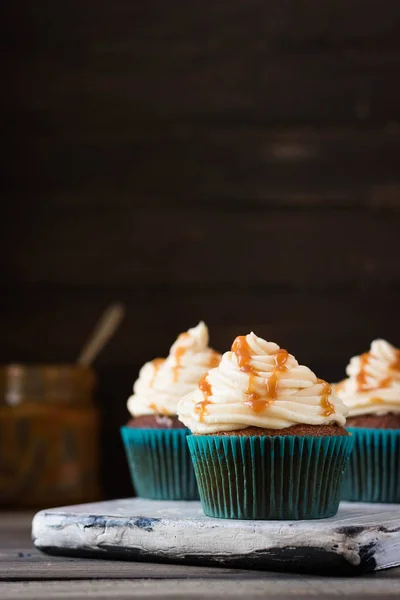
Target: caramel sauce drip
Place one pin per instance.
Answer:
(377, 401)
(396, 364)
(206, 389)
(241, 348)
(256, 402)
(158, 409)
(281, 358)
(361, 378)
(157, 362)
(339, 386)
(327, 407)
(179, 353)
(386, 382)
(215, 359)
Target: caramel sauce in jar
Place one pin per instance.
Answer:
(49, 428)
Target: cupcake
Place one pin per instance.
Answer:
(372, 393)
(155, 439)
(268, 438)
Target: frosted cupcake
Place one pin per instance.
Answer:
(268, 438)
(155, 439)
(372, 393)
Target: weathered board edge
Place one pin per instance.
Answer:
(354, 549)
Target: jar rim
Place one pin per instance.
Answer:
(46, 383)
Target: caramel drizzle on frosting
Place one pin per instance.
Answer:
(243, 354)
(242, 350)
(206, 389)
(377, 400)
(259, 403)
(215, 359)
(205, 386)
(327, 407)
(338, 387)
(179, 353)
(396, 364)
(361, 377)
(158, 409)
(157, 362)
(281, 358)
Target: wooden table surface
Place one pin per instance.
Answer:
(25, 573)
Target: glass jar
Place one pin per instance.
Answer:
(48, 436)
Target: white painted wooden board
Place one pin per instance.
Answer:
(360, 538)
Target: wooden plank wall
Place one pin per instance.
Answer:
(236, 161)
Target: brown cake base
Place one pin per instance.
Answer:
(156, 422)
(389, 421)
(301, 429)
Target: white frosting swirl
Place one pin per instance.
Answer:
(258, 384)
(162, 383)
(373, 383)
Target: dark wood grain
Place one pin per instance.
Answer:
(158, 162)
(59, 319)
(212, 245)
(167, 590)
(84, 65)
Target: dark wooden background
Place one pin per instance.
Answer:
(236, 161)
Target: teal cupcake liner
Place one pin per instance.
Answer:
(159, 463)
(264, 477)
(373, 473)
